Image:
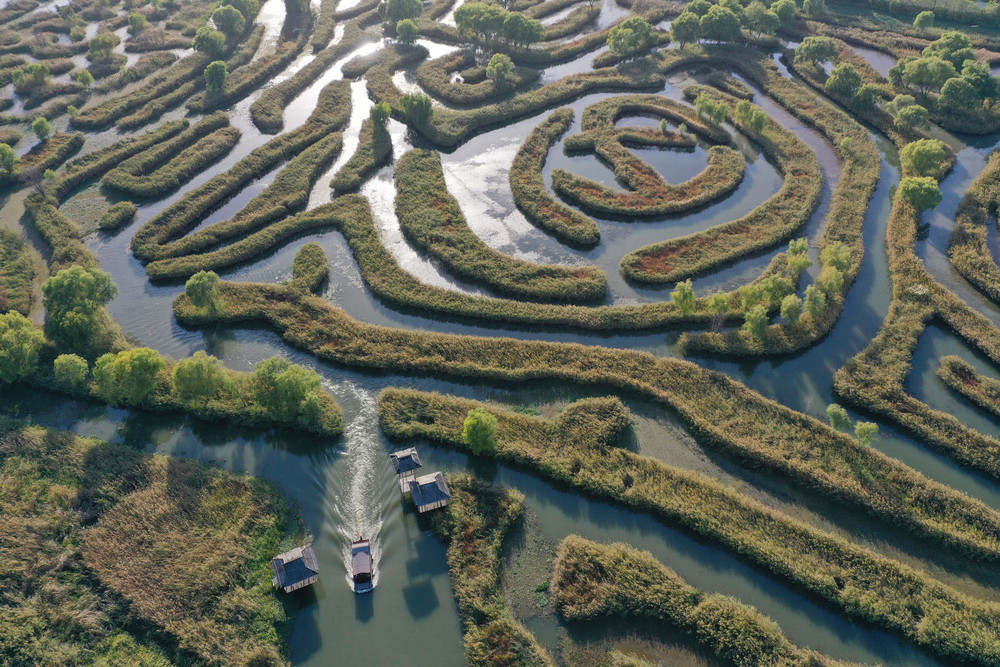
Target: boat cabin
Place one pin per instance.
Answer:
(295, 569)
(429, 492)
(361, 565)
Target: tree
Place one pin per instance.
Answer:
(838, 416)
(282, 388)
(735, 6)
(866, 432)
(924, 20)
(776, 288)
(815, 301)
(631, 38)
(498, 69)
(229, 20)
(215, 75)
(417, 107)
(866, 98)
(844, 81)
(129, 377)
(814, 7)
(248, 8)
(899, 102)
(101, 47)
(816, 50)
(380, 113)
(480, 431)
(759, 20)
(957, 94)
(927, 73)
(686, 28)
(720, 24)
(406, 31)
(837, 255)
(709, 108)
(42, 128)
(785, 9)
(20, 343)
(73, 298)
(921, 192)
(521, 30)
(137, 23)
(718, 304)
(202, 288)
(830, 280)
(791, 308)
(698, 7)
(683, 297)
(750, 116)
(210, 41)
(953, 47)
(85, 78)
(480, 19)
(980, 78)
(924, 157)
(911, 118)
(755, 322)
(394, 11)
(70, 370)
(7, 158)
(198, 378)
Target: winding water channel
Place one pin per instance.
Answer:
(346, 485)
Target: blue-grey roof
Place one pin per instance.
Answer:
(405, 460)
(294, 566)
(429, 489)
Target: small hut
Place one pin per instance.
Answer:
(405, 462)
(295, 569)
(429, 492)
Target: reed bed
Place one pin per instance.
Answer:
(17, 274)
(374, 152)
(968, 250)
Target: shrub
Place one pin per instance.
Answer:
(838, 417)
(479, 431)
(42, 128)
(379, 113)
(921, 192)
(85, 78)
(229, 20)
(866, 432)
(202, 288)
(498, 69)
(70, 370)
(215, 75)
(7, 158)
(406, 31)
(20, 344)
(417, 107)
(129, 377)
(683, 297)
(210, 42)
(198, 378)
(924, 20)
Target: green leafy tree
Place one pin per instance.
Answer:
(129, 377)
(480, 431)
(785, 9)
(921, 192)
(814, 7)
(957, 94)
(776, 288)
(927, 74)
(70, 370)
(752, 295)
(42, 128)
(215, 75)
(924, 20)
(899, 102)
(73, 297)
(102, 46)
(866, 98)
(709, 108)
(631, 38)
(137, 23)
(816, 50)
(815, 301)
(831, 280)
(844, 81)
(924, 157)
(719, 304)
(406, 31)
(498, 69)
(760, 20)
(791, 308)
(480, 19)
(521, 30)
(953, 47)
(866, 432)
(210, 41)
(698, 7)
(751, 116)
(8, 157)
(839, 419)
(686, 28)
(683, 297)
(230, 21)
(720, 24)
(202, 288)
(417, 107)
(394, 11)
(198, 378)
(979, 76)
(755, 322)
(911, 118)
(837, 255)
(248, 8)
(380, 113)
(20, 343)
(85, 78)
(281, 388)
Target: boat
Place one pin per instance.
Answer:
(361, 561)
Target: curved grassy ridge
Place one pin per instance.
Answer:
(532, 198)
(434, 76)
(432, 220)
(168, 165)
(268, 111)
(178, 76)
(60, 233)
(860, 583)
(148, 64)
(718, 410)
(17, 274)
(151, 553)
(310, 267)
(363, 7)
(287, 194)
(770, 223)
(374, 151)
(968, 250)
(117, 215)
(861, 164)
(331, 114)
(594, 582)
(251, 76)
(324, 25)
(982, 390)
(47, 154)
(474, 525)
(651, 194)
(573, 22)
(450, 127)
(601, 117)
